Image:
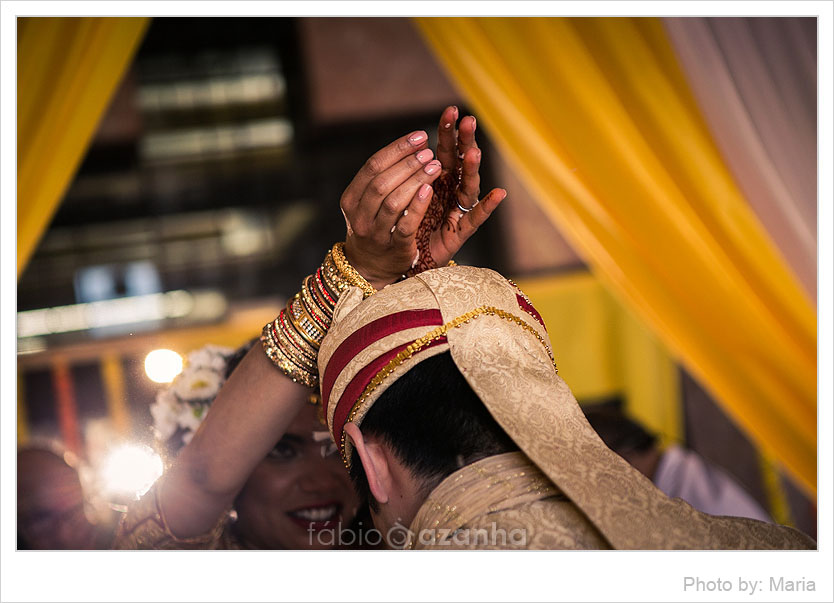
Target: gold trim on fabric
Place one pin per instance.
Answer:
(422, 342)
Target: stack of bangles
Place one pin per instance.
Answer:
(292, 340)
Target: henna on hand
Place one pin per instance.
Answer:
(444, 199)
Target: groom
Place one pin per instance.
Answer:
(442, 394)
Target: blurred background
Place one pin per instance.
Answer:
(178, 177)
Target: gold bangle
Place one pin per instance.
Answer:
(311, 307)
(332, 277)
(323, 291)
(284, 363)
(349, 272)
(301, 357)
(289, 331)
(281, 334)
(304, 323)
(318, 299)
(292, 340)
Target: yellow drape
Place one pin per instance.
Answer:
(67, 70)
(597, 118)
(602, 350)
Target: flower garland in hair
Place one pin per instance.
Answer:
(182, 406)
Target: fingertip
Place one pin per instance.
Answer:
(424, 156)
(433, 167)
(417, 138)
(494, 198)
(449, 117)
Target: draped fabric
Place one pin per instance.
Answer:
(756, 82)
(599, 121)
(605, 352)
(67, 70)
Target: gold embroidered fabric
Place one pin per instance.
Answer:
(144, 527)
(511, 370)
(501, 502)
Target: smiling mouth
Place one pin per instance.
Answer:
(316, 517)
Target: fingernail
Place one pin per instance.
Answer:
(424, 192)
(432, 167)
(474, 123)
(418, 137)
(424, 156)
(448, 124)
(478, 154)
(393, 228)
(405, 213)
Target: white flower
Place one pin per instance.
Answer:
(211, 357)
(190, 416)
(165, 412)
(183, 405)
(197, 384)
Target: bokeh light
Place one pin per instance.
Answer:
(129, 469)
(163, 365)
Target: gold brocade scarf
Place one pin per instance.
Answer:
(492, 484)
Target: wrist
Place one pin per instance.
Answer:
(376, 280)
(376, 277)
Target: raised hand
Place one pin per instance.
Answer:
(407, 212)
(384, 205)
(455, 212)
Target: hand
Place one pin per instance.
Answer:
(384, 205)
(455, 212)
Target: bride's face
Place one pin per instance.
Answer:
(299, 497)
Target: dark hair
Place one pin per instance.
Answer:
(434, 424)
(619, 433)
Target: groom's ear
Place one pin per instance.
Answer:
(374, 461)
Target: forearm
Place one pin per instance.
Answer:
(251, 412)
(255, 405)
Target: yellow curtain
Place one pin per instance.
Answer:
(67, 70)
(603, 350)
(596, 117)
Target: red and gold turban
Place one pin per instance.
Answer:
(372, 345)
